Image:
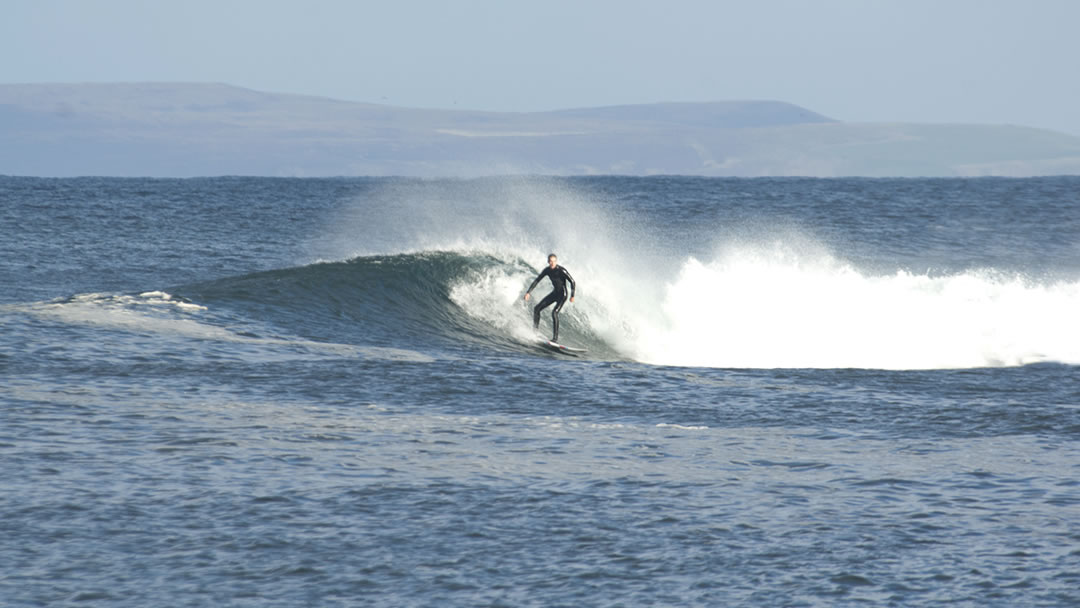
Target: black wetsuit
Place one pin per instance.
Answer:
(559, 277)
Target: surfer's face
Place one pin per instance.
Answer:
(552, 261)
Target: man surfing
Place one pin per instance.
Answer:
(559, 277)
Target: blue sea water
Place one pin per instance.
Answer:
(327, 392)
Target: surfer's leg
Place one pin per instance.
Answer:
(555, 319)
(547, 301)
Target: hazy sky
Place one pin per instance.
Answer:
(980, 61)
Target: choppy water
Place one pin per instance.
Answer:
(249, 391)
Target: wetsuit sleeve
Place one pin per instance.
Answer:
(573, 285)
(542, 274)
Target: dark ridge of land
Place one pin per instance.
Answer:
(182, 130)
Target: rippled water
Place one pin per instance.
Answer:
(264, 392)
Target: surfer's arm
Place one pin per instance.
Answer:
(535, 281)
(573, 285)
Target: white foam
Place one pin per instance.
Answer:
(681, 427)
(494, 296)
(753, 308)
(162, 298)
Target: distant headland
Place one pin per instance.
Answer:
(186, 130)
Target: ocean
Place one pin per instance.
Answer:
(328, 392)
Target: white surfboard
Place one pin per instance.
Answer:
(561, 347)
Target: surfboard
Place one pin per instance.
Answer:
(561, 348)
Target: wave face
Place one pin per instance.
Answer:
(426, 300)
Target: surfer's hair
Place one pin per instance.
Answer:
(552, 255)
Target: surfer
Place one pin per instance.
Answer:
(559, 277)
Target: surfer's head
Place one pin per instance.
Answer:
(553, 260)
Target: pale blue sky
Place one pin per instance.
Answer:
(976, 61)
